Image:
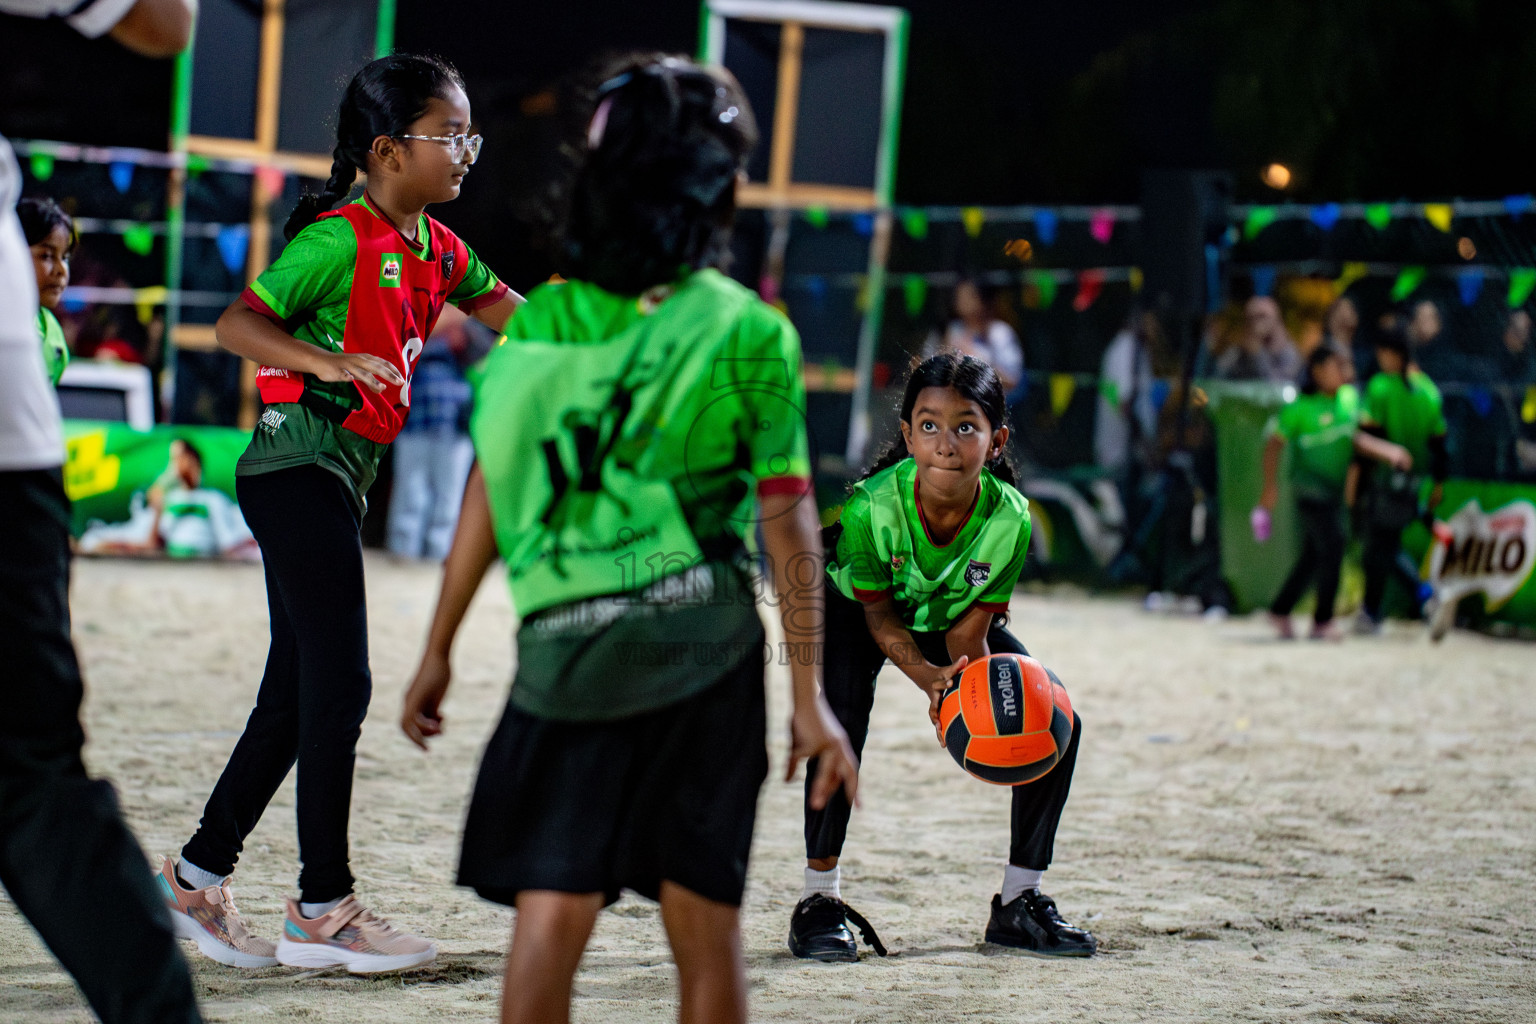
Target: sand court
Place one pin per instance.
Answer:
(1257, 830)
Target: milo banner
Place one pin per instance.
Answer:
(1483, 544)
(165, 492)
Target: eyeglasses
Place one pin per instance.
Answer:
(461, 148)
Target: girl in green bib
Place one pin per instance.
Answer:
(1321, 427)
(50, 234)
(638, 420)
(920, 570)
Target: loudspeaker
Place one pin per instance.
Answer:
(1182, 213)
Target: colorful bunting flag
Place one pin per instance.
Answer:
(1101, 225)
(864, 224)
(272, 180)
(1137, 279)
(196, 164)
(146, 299)
(865, 294)
(1521, 281)
(42, 166)
(1408, 281)
(915, 221)
(973, 217)
(1515, 206)
(1470, 284)
(1528, 408)
(121, 173)
(233, 241)
(1439, 214)
(817, 286)
(1351, 273)
(1045, 226)
(1263, 280)
(1089, 284)
(916, 288)
(1039, 289)
(139, 239)
(1379, 215)
(1325, 216)
(816, 216)
(1063, 387)
(1259, 218)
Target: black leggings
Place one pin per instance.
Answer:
(1382, 558)
(66, 857)
(1322, 555)
(852, 661)
(314, 693)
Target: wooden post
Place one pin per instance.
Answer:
(268, 91)
(786, 107)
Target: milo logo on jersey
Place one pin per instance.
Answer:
(391, 269)
(1484, 552)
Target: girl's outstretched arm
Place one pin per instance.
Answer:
(896, 641)
(473, 551)
(792, 536)
(247, 333)
(496, 315)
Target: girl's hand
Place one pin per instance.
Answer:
(814, 732)
(420, 714)
(1399, 458)
(368, 370)
(936, 690)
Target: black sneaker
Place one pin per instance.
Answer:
(1031, 923)
(818, 930)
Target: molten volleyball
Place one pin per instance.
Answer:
(1006, 720)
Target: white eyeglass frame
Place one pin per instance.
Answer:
(460, 147)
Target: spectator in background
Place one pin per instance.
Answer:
(1428, 347)
(1341, 328)
(67, 858)
(1518, 357)
(978, 331)
(433, 453)
(1265, 350)
(1127, 415)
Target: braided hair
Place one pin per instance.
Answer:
(384, 98)
(975, 381)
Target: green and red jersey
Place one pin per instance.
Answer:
(885, 549)
(351, 282)
(1320, 430)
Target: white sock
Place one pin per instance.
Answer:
(824, 882)
(314, 910)
(195, 877)
(1017, 879)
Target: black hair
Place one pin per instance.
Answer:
(975, 381)
(1317, 357)
(1395, 339)
(383, 98)
(40, 216)
(651, 190)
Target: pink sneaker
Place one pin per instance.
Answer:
(208, 917)
(349, 936)
(1326, 631)
(1283, 627)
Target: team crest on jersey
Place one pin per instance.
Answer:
(977, 572)
(897, 562)
(447, 261)
(391, 269)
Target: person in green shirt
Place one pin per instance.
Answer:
(1402, 405)
(636, 424)
(50, 234)
(922, 564)
(336, 324)
(1321, 427)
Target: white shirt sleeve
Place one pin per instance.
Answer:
(91, 18)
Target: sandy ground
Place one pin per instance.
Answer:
(1257, 832)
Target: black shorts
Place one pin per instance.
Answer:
(603, 806)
